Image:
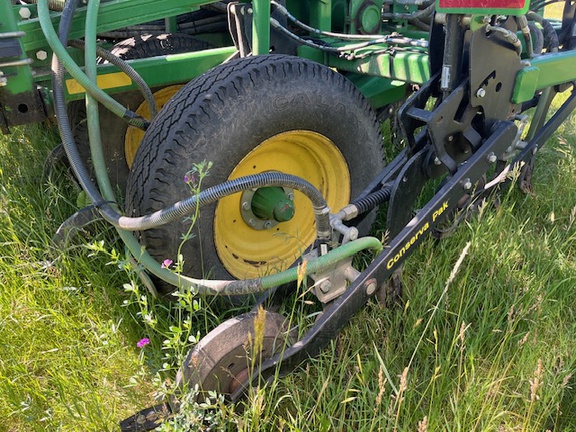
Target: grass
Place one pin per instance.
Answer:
(491, 350)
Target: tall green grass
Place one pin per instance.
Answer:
(67, 357)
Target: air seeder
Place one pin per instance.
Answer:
(286, 100)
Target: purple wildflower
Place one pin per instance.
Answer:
(143, 342)
(189, 178)
(167, 263)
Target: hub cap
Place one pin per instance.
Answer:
(247, 252)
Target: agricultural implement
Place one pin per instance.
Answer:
(284, 100)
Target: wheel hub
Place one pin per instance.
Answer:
(266, 207)
(250, 237)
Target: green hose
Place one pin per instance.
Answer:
(332, 257)
(250, 286)
(92, 115)
(74, 70)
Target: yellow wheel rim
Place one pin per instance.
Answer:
(248, 253)
(134, 136)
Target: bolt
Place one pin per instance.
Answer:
(251, 222)
(25, 13)
(245, 205)
(290, 196)
(491, 158)
(267, 224)
(481, 93)
(325, 286)
(467, 184)
(535, 150)
(437, 161)
(41, 55)
(450, 138)
(370, 287)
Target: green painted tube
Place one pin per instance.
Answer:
(76, 72)
(250, 286)
(332, 257)
(93, 119)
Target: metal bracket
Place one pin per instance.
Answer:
(332, 282)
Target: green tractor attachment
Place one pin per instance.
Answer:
(283, 101)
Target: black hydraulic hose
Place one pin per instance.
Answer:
(394, 40)
(372, 200)
(538, 38)
(128, 70)
(416, 22)
(230, 187)
(549, 32)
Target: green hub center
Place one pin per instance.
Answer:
(273, 204)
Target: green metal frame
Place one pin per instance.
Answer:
(158, 71)
(544, 71)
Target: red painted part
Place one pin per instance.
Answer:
(482, 4)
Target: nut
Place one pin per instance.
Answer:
(24, 13)
(371, 286)
(41, 55)
(481, 93)
(325, 286)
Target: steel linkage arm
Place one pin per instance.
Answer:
(336, 316)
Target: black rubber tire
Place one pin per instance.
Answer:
(222, 116)
(114, 128)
